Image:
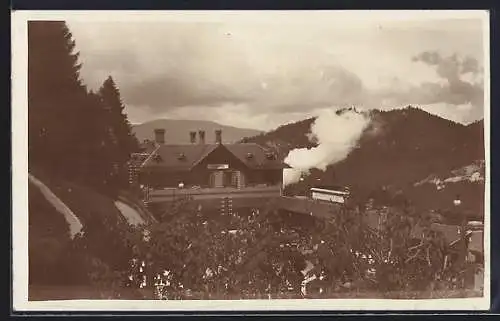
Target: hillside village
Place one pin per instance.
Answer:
(114, 216)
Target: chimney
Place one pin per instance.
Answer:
(192, 137)
(218, 136)
(159, 136)
(201, 135)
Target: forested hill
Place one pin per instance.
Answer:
(285, 137)
(400, 148)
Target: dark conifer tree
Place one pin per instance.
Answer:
(99, 148)
(56, 100)
(123, 142)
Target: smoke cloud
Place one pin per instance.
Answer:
(463, 79)
(336, 134)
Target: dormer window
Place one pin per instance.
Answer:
(181, 156)
(249, 155)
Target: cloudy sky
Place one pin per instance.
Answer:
(259, 73)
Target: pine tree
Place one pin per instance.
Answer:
(99, 147)
(56, 99)
(123, 142)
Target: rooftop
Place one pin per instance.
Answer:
(184, 157)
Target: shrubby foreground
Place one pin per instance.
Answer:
(263, 253)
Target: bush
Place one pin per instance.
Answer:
(249, 255)
(253, 253)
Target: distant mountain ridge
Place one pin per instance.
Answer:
(399, 148)
(177, 131)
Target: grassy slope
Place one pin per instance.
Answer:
(48, 238)
(50, 245)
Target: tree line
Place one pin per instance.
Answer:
(74, 133)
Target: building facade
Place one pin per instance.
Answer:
(206, 168)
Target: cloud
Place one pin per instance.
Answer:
(289, 88)
(166, 92)
(244, 72)
(455, 90)
(310, 87)
(459, 83)
(173, 65)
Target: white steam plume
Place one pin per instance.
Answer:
(336, 134)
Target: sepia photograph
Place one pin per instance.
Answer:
(251, 160)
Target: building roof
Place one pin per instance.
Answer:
(185, 157)
(259, 154)
(336, 188)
